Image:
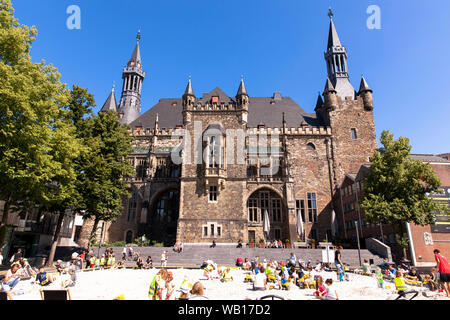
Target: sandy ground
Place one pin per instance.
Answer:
(134, 284)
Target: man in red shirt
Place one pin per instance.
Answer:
(444, 271)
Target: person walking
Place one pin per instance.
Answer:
(124, 253)
(443, 267)
(164, 259)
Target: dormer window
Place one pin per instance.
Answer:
(174, 104)
(215, 100)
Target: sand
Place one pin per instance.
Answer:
(134, 284)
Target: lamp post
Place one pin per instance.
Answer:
(359, 246)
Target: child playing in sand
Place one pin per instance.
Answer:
(226, 276)
(44, 279)
(400, 285)
(380, 278)
(331, 292)
(321, 289)
(158, 285)
(71, 281)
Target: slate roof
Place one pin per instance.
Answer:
(261, 111)
(110, 104)
(333, 38)
(429, 158)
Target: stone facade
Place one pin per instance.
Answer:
(226, 201)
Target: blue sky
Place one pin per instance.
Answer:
(276, 45)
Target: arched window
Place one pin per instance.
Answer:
(214, 137)
(310, 146)
(129, 237)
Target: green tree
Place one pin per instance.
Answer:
(35, 138)
(396, 187)
(104, 167)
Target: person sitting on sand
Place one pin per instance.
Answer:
(44, 279)
(27, 271)
(246, 265)
(321, 289)
(59, 267)
(11, 278)
(366, 267)
(71, 281)
(184, 290)
(331, 292)
(226, 276)
(391, 272)
(260, 280)
(239, 262)
(412, 275)
(198, 292)
(400, 285)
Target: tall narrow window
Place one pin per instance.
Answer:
(312, 207)
(212, 230)
(213, 193)
(132, 204)
(276, 210)
(354, 135)
(300, 206)
(253, 210)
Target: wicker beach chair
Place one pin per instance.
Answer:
(55, 295)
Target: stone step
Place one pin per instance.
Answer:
(195, 255)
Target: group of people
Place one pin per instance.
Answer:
(162, 288)
(280, 275)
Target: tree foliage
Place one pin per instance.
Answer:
(37, 144)
(396, 187)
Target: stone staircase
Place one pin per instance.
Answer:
(193, 256)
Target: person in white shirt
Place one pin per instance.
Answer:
(1, 259)
(331, 292)
(260, 280)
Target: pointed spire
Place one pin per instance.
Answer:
(136, 56)
(189, 91)
(364, 86)
(319, 102)
(111, 103)
(329, 87)
(333, 38)
(242, 90)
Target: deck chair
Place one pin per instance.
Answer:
(271, 297)
(55, 295)
(406, 295)
(5, 296)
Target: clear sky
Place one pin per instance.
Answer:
(277, 45)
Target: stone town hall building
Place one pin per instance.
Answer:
(227, 201)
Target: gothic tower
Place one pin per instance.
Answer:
(133, 76)
(337, 68)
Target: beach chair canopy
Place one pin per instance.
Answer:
(55, 295)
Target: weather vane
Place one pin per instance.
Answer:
(138, 37)
(330, 13)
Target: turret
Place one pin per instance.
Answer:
(242, 98)
(110, 103)
(366, 94)
(330, 96)
(188, 96)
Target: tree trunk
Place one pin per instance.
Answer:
(51, 255)
(402, 240)
(4, 223)
(93, 233)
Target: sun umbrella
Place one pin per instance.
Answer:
(333, 223)
(266, 223)
(300, 228)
